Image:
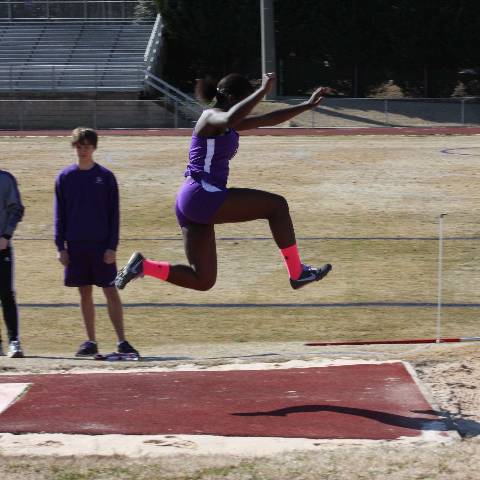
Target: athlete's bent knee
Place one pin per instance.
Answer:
(281, 205)
(206, 284)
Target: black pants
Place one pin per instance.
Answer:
(7, 294)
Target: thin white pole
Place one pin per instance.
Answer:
(439, 276)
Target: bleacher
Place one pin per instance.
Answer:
(73, 55)
(92, 61)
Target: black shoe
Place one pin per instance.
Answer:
(310, 274)
(125, 347)
(87, 349)
(132, 270)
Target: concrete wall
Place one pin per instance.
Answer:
(68, 114)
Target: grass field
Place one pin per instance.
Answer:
(368, 205)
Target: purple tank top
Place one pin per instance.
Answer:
(210, 158)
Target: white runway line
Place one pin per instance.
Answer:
(10, 392)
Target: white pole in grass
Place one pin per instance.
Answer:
(439, 276)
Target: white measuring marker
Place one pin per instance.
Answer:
(10, 392)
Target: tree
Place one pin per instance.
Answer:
(211, 37)
(333, 41)
(354, 45)
(146, 9)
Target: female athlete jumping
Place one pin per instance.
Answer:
(204, 199)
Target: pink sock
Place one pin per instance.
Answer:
(292, 261)
(156, 269)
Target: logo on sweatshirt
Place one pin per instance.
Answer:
(99, 180)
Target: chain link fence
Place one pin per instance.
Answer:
(163, 113)
(388, 112)
(102, 114)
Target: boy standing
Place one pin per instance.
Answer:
(11, 212)
(87, 233)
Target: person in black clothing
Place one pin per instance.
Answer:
(11, 212)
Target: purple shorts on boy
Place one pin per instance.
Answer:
(87, 267)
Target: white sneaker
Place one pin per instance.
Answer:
(15, 350)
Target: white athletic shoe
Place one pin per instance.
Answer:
(15, 350)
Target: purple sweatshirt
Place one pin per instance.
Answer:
(86, 207)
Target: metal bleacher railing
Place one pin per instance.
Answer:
(176, 100)
(187, 105)
(80, 10)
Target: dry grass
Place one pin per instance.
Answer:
(345, 189)
(404, 463)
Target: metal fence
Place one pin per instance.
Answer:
(101, 114)
(70, 9)
(382, 112)
(170, 113)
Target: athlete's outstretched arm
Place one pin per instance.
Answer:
(212, 122)
(284, 114)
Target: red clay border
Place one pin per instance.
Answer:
(310, 132)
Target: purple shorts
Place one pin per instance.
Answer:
(196, 203)
(86, 266)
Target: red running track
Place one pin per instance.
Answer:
(362, 401)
